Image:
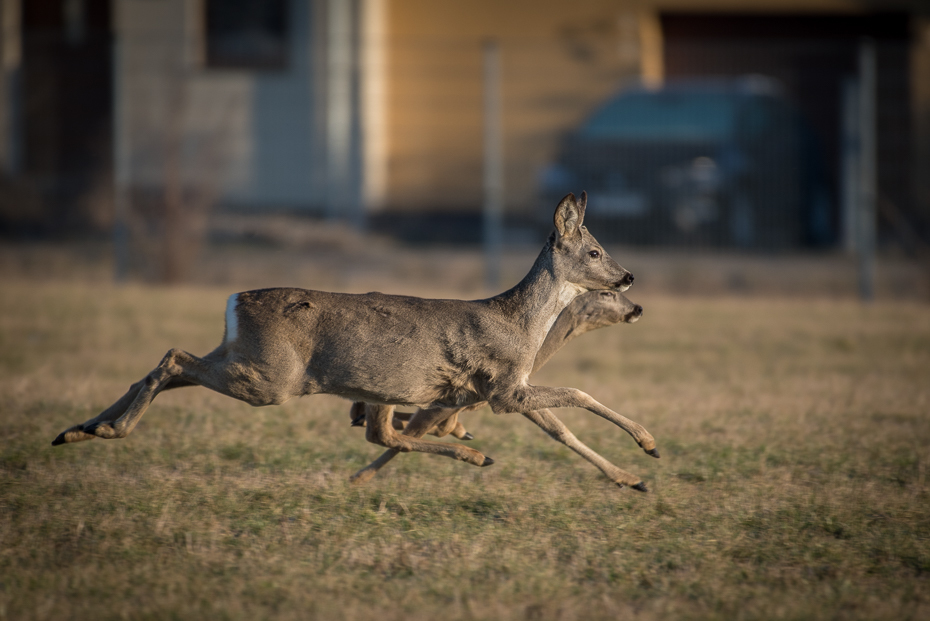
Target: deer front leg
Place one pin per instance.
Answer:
(557, 430)
(530, 398)
(419, 425)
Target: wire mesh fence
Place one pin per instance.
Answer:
(696, 131)
(742, 146)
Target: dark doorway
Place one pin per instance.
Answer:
(67, 106)
(810, 56)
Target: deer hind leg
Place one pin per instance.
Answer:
(77, 433)
(421, 422)
(557, 430)
(400, 420)
(358, 418)
(445, 427)
(460, 432)
(119, 419)
(112, 413)
(177, 369)
(449, 426)
(380, 431)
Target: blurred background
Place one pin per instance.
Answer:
(773, 145)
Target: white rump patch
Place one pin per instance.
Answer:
(232, 321)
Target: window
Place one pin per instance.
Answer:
(246, 34)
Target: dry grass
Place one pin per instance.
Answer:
(795, 438)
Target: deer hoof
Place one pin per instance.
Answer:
(358, 421)
(468, 436)
(654, 452)
(101, 430)
(74, 434)
(640, 487)
(487, 462)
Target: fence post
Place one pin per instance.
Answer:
(121, 163)
(850, 163)
(493, 166)
(867, 170)
(339, 110)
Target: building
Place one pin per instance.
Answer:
(347, 108)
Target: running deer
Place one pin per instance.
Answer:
(389, 350)
(589, 311)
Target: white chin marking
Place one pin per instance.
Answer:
(633, 319)
(624, 288)
(232, 321)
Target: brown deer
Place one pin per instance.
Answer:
(589, 311)
(388, 350)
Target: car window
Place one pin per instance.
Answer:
(760, 117)
(664, 116)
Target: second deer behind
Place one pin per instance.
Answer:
(389, 350)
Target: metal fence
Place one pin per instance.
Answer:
(749, 144)
(743, 138)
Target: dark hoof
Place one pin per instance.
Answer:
(640, 487)
(468, 436)
(654, 452)
(59, 440)
(487, 462)
(358, 422)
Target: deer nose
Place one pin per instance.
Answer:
(637, 311)
(626, 281)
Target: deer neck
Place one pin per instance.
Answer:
(535, 303)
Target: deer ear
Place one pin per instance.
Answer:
(569, 215)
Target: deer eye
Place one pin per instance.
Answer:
(594, 254)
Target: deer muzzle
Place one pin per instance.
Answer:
(634, 315)
(624, 283)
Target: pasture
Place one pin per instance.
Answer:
(795, 441)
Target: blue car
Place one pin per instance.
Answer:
(726, 163)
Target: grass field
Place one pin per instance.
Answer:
(795, 440)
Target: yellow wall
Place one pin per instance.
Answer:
(559, 60)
